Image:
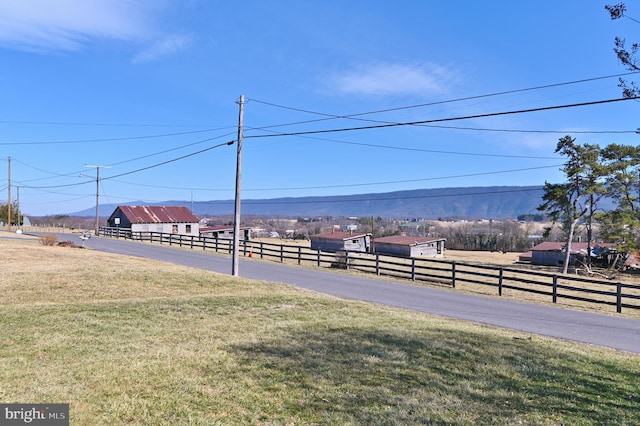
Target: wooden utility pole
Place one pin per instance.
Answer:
(236, 215)
(9, 196)
(97, 230)
(18, 205)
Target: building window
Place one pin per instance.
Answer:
(174, 229)
(188, 229)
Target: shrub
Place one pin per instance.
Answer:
(48, 239)
(340, 260)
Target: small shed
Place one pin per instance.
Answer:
(408, 246)
(225, 232)
(339, 241)
(164, 219)
(550, 253)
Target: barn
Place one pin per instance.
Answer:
(408, 246)
(341, 241)
(164, 219)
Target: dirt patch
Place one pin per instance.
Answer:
(68, 244)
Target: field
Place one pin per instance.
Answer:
(131, 341)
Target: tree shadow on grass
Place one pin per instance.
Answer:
(359, 376)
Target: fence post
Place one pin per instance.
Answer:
(299, 255)
(500, 282)
(377, 263)
(346, 259)
(555, 289)
(619, 298)
(453, 274)
(319, 256)
(281, 253)
(413, 269)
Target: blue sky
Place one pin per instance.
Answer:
(149, 90)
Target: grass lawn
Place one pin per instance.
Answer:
(130, 341)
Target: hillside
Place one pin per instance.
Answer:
(495, 202)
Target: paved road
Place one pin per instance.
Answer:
(602, 330)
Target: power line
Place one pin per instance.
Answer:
(164, 135)
(412, 180)
(172, 149)
(400, 148)
(350, 185)
(467, 117)
(67, 123)
(170, 161)
(138, 170)
(507, 92)
(120, 162)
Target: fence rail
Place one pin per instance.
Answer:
(450, 273)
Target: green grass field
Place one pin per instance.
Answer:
(130, 341)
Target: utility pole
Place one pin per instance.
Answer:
(97, 194)
(19, 209)
(236, 215)
(9, 196)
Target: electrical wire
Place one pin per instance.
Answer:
(172, 149)
(507, 92)
(110, 139)
(170, 161)
(138, 170)
(400, 148)
(351, 185)
(66, 123)
(467, 117)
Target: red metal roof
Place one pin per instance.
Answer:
(405, 240)
(158, 214)
(339, 235)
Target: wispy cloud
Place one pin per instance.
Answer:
(68, 25)
(168, 45)
(394, 79)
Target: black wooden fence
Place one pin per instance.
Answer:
(449, 273)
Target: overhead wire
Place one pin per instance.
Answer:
(506, 92)
(140, 169)
(351, 185)
(164, 135)
(437, 120)
(170, 161)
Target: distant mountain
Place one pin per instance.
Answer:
(493, 202)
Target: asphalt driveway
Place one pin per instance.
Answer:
(596, 329)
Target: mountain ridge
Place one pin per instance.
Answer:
(490, 202)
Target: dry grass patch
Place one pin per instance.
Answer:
(160, 344)
(52, 274)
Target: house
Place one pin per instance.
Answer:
(418, 228)
(225, 232)
(551, 253)
(164, 219)
(407, 246)
(338, 241)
